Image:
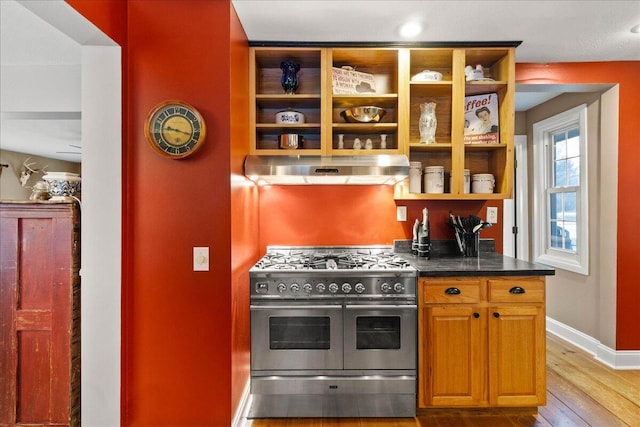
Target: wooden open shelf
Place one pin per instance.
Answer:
(392, 68)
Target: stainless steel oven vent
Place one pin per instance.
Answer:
(327, 170)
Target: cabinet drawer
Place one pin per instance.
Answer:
(514, 290)
(451, 292)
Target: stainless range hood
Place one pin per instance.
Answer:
(327, 170)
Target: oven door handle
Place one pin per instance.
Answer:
(380, 306)
(295, 307)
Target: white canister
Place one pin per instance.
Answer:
(482, 183)
(434, 179)
(467, 181)
(415, 177)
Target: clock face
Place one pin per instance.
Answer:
(175, 129)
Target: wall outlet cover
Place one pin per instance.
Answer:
(492, 215)
(401, 213)
(201, 258)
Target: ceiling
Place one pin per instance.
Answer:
(43, 117)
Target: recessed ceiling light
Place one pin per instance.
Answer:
(635, 29)
(410, 30)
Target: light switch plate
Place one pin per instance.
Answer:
(492, 215)
(401, 213)
(201, 258)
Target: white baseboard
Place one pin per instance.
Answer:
(243, 409)
(620, 359)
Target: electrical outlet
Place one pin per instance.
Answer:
(401, 213)
(492, 215)
(201, 259)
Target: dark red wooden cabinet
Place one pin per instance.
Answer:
(39, 314)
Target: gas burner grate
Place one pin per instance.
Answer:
(332, 259)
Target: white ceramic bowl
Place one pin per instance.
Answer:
(427, 76)
(289, 117)
(63, 184)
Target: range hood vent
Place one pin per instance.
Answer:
(327, 170)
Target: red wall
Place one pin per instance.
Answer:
(354, 215)
(177, 324)
(178, 328)
(626, 75)
(244, 214)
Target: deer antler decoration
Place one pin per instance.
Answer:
(27, 171)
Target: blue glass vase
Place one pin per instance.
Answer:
(289, 78)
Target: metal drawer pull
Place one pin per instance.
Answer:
(517, 290)
(496, 314)
(452, 291)
(476, 315)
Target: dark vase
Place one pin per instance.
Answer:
(289, 79)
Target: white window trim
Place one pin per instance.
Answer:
(579, 262)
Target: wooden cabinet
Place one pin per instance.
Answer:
(268, 98)
(481, 342)
(450, 149)
(39, 314)
(385, 66)
(320, 106)
(401, 98)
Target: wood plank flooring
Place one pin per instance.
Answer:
(580, 392)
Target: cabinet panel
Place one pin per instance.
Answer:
(455, 357)
(39, 314)
(517, 347)
(516, 290)
(452, 292)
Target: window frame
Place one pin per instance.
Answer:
(543, 131)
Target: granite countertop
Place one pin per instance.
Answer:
(443, 263)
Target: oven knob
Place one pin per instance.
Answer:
(359, 288)
(385, 287)
(321, 287)
(307, 287)
(398, 287)
(281, 287)
(333, 288)
(295, 287)
(346, 288)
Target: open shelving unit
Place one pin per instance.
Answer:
(400, 96)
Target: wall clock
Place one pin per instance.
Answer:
(175, 129)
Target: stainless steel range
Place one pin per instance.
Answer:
(333, 333)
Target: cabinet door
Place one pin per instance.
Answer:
(517, 370)
(36, 271)
(452, 369)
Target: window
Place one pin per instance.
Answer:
(560, 187)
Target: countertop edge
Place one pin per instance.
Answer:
(487, 264)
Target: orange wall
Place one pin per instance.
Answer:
(354, 215)
(177, 324)
(628, 269)
(178, 332)
(244, 214)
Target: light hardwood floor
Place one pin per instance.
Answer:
(580, 392)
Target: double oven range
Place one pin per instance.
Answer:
(333, 333)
